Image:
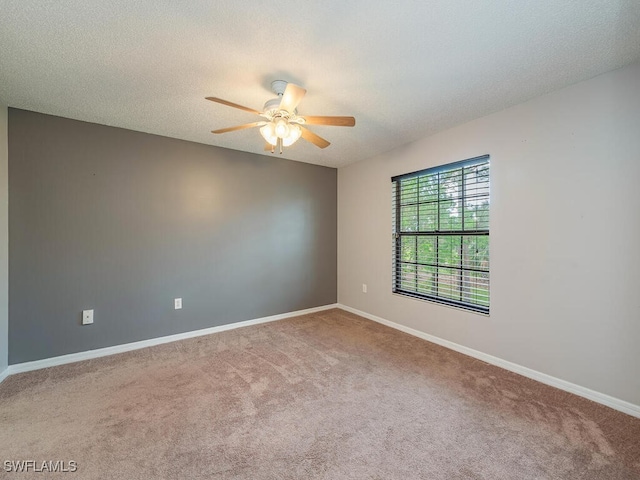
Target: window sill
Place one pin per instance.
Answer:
(440, 304)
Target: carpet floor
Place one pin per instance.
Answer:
(323, 396)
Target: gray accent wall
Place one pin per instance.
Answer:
(4, 242)
(123, 222)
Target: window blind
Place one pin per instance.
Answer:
(441, 234)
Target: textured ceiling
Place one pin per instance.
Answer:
(404, 69)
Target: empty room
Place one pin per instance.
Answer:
(320, 240)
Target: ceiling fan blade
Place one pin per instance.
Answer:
(335, 121)
(268, 147)
(234, 105)
(239, 127)
(291, 97)
(309, 136)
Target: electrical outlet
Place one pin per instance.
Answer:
(364, 288)
(87, 317)
(177, 303)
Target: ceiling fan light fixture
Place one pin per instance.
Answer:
(268, 132)
(294, 134)
(281, 128)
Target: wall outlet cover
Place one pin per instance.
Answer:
(87, 317)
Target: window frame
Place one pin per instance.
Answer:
(438, 234)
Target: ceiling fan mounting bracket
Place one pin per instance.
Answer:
(278, 87)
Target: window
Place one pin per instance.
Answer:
(441, 234)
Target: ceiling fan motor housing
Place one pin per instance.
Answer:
(272, 106)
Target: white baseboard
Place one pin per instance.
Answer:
(4, 374)
(609, 401)
(103, 352)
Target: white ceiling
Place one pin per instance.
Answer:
(404, 69)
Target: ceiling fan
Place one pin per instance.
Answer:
(283, 126)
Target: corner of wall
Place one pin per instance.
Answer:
(4, 241)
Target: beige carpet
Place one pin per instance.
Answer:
(329, 395)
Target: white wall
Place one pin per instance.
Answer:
(565, 234)
(4, 242)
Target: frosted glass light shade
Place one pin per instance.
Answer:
(268, 132)
(294, 134)
(282, 129)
